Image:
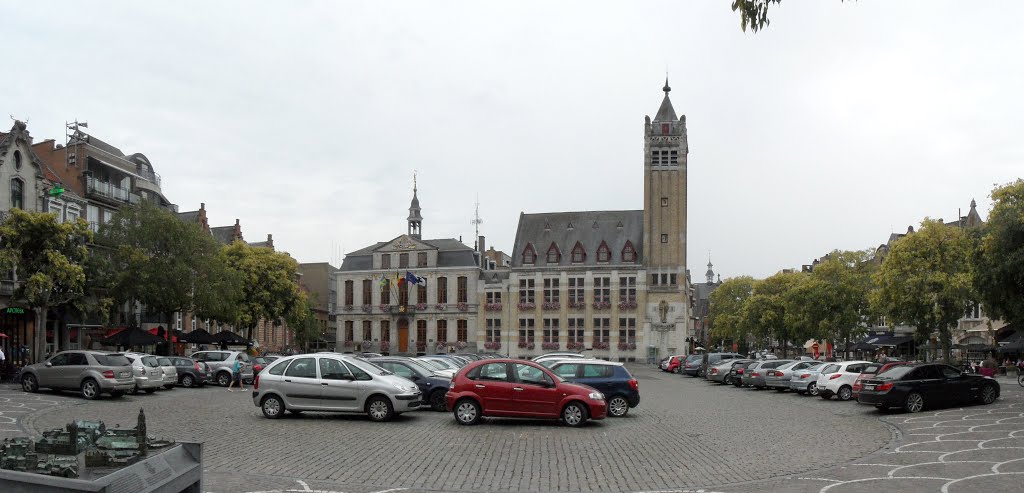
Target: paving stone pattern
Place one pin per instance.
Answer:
(686, 434)
(17, 407)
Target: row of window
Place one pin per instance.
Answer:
(440, 330)
(576, 330)
(602, 290)
(386, 289)
(403, 260)
(579, 253)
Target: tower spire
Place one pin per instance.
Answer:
(415, 219)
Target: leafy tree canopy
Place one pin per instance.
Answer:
(269, 283)
(999, 277)
(726, 317)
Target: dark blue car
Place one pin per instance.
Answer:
(620, 389)
(432, 385)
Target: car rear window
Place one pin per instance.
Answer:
(111, 360)
(597, 371)
(278, 368)
(165, 362)
(896, 372)
(694, 357)
(830, 369)
(871, 369)
(752, 365)
(150, 361)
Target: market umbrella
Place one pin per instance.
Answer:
(198, 336)
(131, 337)
(229, 338)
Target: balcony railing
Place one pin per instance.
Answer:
(7, 287)
(110, 191)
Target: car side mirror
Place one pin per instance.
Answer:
(48, 364)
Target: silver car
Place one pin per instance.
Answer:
(170, 371)
(220, 364)
(148, 375)
(806, 381)
(779, 378)
(91, 372)
(333, 382)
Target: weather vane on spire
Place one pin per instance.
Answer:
(414, 181)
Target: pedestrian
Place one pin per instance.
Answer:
(3, 365)
(236, 375)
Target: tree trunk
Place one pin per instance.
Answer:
(944, 337)
(785, 349)
(39, 341)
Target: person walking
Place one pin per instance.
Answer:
(236, 375)
(3, 365)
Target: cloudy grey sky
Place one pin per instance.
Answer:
(839, 124)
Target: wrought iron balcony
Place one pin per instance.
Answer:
(101, 189)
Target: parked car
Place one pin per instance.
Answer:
(470, 356)
(191, 373)
(913, 387)
(148, 374)
(170, 371)
(721, 373)
(442, 363)
(332, 382)
(261, 362)
(806, 381)
(695, 367)
(691, 364)
(91, 372)
(520, 389)
(737, 370)
(460, 362)
(837, 379)
(432, 385)
(221, 363)
(870, 372)
(672, 363)
(621, 391)
(756, 373)
(780, 377)
(549, 362)
(556, 356)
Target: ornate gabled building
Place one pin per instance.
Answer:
(611, 281)
(408, 294)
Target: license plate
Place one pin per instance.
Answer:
(869, 387)
(125, 374)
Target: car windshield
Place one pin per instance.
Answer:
(457, 362)
(111, 360)
(368, 366)
(423, 367)
(433, 364)
(787, 365)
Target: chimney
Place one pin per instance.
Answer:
(483, 258)
(270, 241)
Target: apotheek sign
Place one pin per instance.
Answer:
(19, 311)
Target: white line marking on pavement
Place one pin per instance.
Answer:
(305, 487)
(392, 489)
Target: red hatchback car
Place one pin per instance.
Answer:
(511, 388)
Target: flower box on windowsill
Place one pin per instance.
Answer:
(462, 307)
(348, 343)
(367, 308)
(461, 345)
(551, 305)
(526, 345)
(441, 307)
(577, 305)
(421, 306)
(602, 305)
(421, 347)
(441, 346)
(347, 308)
(492, 307)
(527, 306)
(600, 345)
(493, 346)
(627, 346)
(547, 346)
(575, 346)
(385, 345)
(385, 308)
(627, 305)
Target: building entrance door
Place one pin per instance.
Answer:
(403, 335)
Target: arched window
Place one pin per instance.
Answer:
(529, 254)
(17, 194)
(17, 160)
(554, 256)
(579, 254)
(604, 254)
(628, 252)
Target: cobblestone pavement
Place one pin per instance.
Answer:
(16, 407)
(686, 434)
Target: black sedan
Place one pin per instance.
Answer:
(912, 387)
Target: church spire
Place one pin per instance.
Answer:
(666, 113)
(415, 219)
(710, 274)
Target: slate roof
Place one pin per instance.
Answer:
(666, 113)
(612, 227)
(189, 217)
(260, 244)
(99, 144)
(224, 234)
(451, 253)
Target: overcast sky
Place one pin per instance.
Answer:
(839, 124)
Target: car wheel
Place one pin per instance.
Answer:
(675, 370)
(29, 383)
(149, 391)
(379, 409)
(737, 382)
(223, 379)
(727, 380)
(574, 414)
(467, 412)
(188, 381)
(272, 406)
(812, 388)
(437, 400)
(988, 394)
(117, 394)
(169, 386)
(845, 393)
(618, 406)
(914, 403)
(90, 389)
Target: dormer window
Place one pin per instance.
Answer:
(628, 252)
(604, 254)
(579, 254)
(529, 254)
(554, 256)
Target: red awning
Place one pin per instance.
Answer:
(111, 332)
(156, 331)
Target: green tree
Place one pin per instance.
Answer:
(726, 308)
(49, 258)
(765, 310)
(302, 321)
(269, 284)
(999, 260)
(837, 300)
(926, 280)
(753, 13)
(166, 264)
